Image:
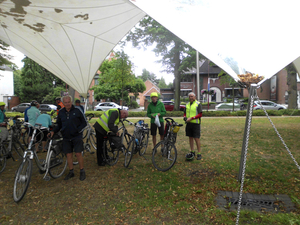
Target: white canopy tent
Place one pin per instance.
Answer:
(71, 38)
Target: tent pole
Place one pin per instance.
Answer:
(85, 104)
(252, 95)
(198, 77)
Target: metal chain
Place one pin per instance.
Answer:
(286, 147)
(245, 159)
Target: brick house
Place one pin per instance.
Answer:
(150, 87)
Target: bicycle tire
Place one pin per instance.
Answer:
(60, 162)
(164, 156)
(22, 179)
(129, 151)
(85, 132)
(18, 148)
(144, 143)
(2, 160)
(93, 140)
(25, 136)
(111, 156)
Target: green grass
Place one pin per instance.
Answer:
(183, 195)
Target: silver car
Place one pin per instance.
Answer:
(227, 106)
(20, 108)
(268, 105)
(104, 106)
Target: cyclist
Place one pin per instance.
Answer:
(78, 105)
(192, 116)
(156, 108)
(108, 121)
(3, 129)
(59, 104)
(33, 113)
(71, 122)
(46, 121)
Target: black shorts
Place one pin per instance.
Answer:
(193, 130)
(41, 136)
(73, 145)
(153, 129)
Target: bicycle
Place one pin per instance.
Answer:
(55, 163)
(111, 149)
(90, 134)
(164, 154)
(141, 137)
(6, 145)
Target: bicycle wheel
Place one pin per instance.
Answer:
(164, 156)
(85, 132)
(129, 151)
(93, 139)
(110, 155)
(22, 179)
(144, 143)
(18, 148)
(2, 160)
(25, 136)
(58, 164)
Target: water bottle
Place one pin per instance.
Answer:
(137, 141)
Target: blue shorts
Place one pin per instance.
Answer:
(73, 145)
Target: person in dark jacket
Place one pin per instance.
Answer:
(71, 122)
(107, 122)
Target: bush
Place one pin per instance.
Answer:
(133, 104)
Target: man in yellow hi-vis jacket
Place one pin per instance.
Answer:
(108, 121)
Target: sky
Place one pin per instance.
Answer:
(140, 58)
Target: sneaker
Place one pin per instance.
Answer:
(70, 175)
(199, 157)
(82, 175)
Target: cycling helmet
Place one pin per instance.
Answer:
(2, 103)
(34, 103)
(190, 156)
(153, 94)
(58, 98)
(77, 101)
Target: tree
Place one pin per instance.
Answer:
(117, 80)
(4, 56)
(177, 56)
(17, 82)
(37, 82)
(146, 75)
(292, 86)
(162, 83)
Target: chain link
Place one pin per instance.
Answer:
(286, 147)
(245, 158)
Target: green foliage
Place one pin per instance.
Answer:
(206, 103)
(177, 56)
(17, 82)
(146, 75)
(37, 82)
(133, 104)
(50, 98)
(4, 56)
(116, 80)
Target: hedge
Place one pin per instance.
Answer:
(283, 112)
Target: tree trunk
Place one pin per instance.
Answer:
(177, 78)
(292, 86)
(233, 98)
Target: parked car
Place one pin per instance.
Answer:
(20, 108)
(104, 106)
(267, 105)
(227, 106)
(47, 107)
(169, 106)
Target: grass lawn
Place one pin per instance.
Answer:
(183, 195)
